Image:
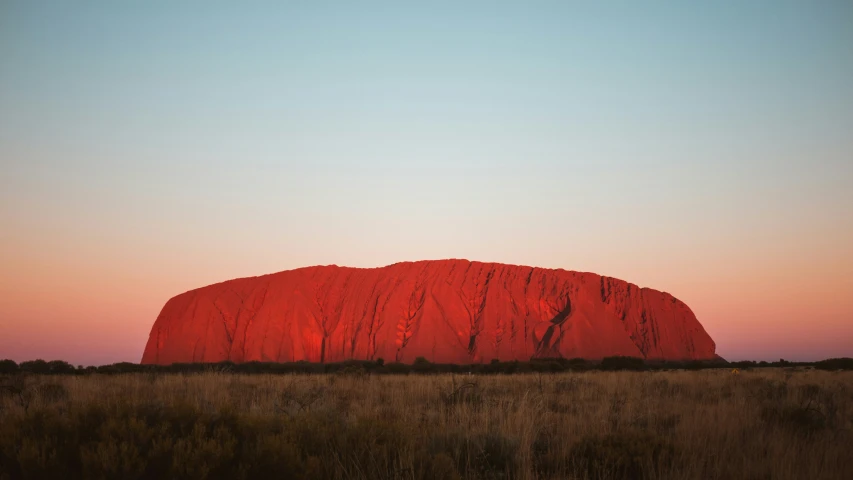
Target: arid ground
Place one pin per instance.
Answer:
(756, 424)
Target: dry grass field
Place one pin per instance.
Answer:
(775, 424)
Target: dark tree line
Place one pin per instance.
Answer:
(419, 366)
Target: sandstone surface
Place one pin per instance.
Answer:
(448, 311)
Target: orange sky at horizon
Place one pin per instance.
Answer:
(74, 309)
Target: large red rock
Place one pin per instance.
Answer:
(448, 311)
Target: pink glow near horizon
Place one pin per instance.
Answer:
(96, 312)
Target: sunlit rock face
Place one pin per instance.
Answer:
(448, 311)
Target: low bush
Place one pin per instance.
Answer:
(623, 363)
(8, 367)
(397, 368)
(802, 419)
(420, 365)
(34, 366)
(835, 364)
(485, 455)
(621, 455)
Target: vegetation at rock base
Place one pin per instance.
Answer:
(421, 365)
(780, 423)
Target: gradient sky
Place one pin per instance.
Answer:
(701, 148)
